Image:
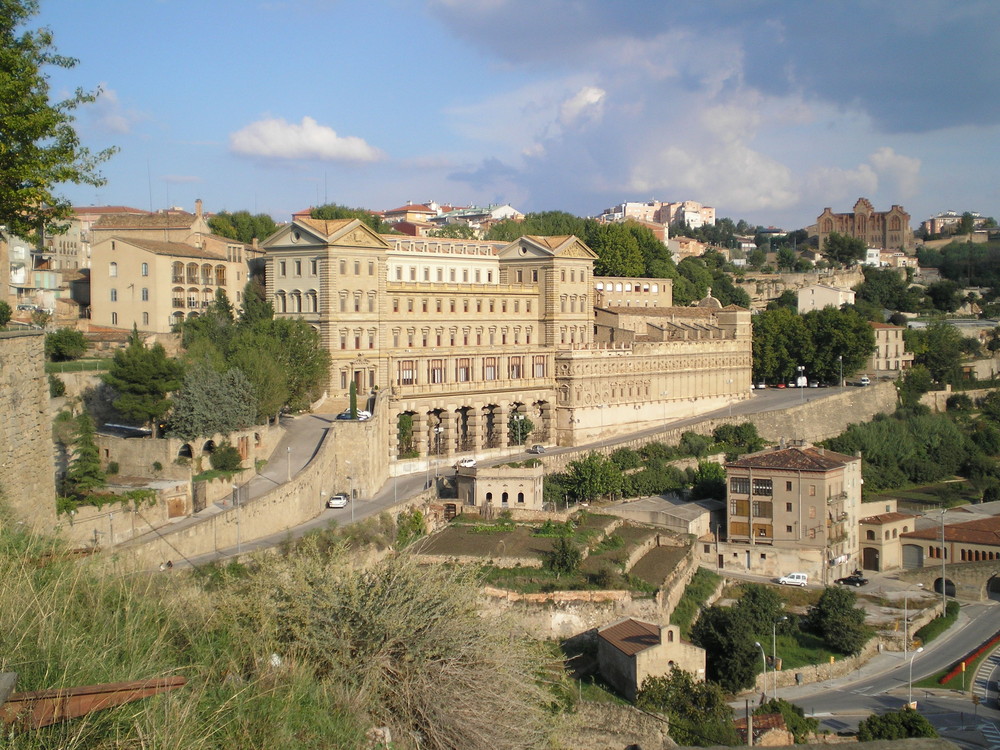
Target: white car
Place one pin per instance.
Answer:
(794, 579)
(337, 501)
(466, 463)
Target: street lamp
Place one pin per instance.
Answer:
(909, 682)
(236, 504)
(840, 360)
(729, 395)
(800, 382)
(288, 462)
(774, 655)
(763, 658)
(437, 447)
(906, 619)
(944, 561)
(351, 498)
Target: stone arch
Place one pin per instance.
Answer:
(406, 438)
(949, 586)
(993, 588)
(208, 447)
(493, 425)
(185, 451)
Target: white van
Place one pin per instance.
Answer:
(794, 579)
(865, 380)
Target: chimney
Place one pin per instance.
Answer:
(197, 208)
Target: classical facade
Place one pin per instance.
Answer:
(470, 337)
(793, 509)
(886, 230)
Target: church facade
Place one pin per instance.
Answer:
(885, 230)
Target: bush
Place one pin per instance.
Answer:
(157, 466)
(57, 387)
(226, 458)
(113, 468)
(939, 624)
(65, 344)
(895, 726)
(565, 557)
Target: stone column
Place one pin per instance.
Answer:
(420, 434)
(504, 435)
(475, 426)
(448, 433)
(393, 436)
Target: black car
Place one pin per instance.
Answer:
(855, 579)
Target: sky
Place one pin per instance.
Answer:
(768, 110)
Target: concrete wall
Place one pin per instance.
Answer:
(27, 470)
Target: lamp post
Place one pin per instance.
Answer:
(437, 447)
(944, 575)
(774, 655)
(351, 497)
(729, 395)
(763, 658)
(909, 682)
(840, 360)
(800, 382)
(288, 461)
(906, 618)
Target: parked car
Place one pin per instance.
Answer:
(466, 463)
(337, 501)
(536, 449)
(814, 384)
(761, 385)
(780, 385)
(794, 579)
(855, 579)
(362, 415)
(865, 380)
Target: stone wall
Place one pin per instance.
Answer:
(763, 288)
(27, 469)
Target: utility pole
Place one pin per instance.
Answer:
(944, 575)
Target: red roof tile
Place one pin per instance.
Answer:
(882, 518)
(796, 459)
(984, 531)
(631, 636)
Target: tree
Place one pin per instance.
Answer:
(844, 249)
(455, 231)
(564, 557)
(242, 226)
(839, 338)
(5, 314)
(332, 211)
(593, 476)
(838, 622)
(41, 149)
(256, 306)
(898, 725)
(697, 711)
(519, 427)
(939, 348)
(732, 659)
(945, 295)
(709, 481)
(787, 298)
(84, 473)
(965, 224)
(142, 378)
(617, 250)
(781, 342)
(914, 384)
(786, 258)
(212, 403)
(65, 344)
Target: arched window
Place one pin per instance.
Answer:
(520, 497)
(112, 269)
(280, 302)
(870, 535)
(145, 269)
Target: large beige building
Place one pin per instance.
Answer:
(471, 338)
(890, 356)
(793, 509)
(886, 230)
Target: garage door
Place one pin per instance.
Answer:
(913, 556)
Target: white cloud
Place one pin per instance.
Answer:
(276, 138)
(831, 185)
(110, 115)
(586, 104)
(904, 170)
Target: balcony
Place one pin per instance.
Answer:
(836, 498)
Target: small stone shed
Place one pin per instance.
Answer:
(498, 488)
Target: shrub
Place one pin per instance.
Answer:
(157, 466)
(410, 527)
(65, 344)
(113, 468)
(939, 624)
(57, 387)
(895, 726)
(226, 458)
(564, 557)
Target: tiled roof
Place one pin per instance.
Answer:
(552, 243)
(874, 324)
(981, 531)
(146, 221)
(662, 312)
(419, 207)
(325, 226)
(631, 636)
(796, 459)
(107, 210)
(177, 249)
(882, 518)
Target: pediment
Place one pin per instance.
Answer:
(358, 234)
(547, 247)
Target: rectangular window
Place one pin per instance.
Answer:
(739, 485)
(437, 371)
(145, 269)
(407, 372)
(490, 368)
(788, 507)
(540, 366)
(788, 486)
(314, 267)
(739, 508)
(357, 268)
(395, 305)
(281, 268)
(464, 371)
(761, 509)
(298, 268)
(114, 295)
(371, 268)
(812, 490)
(427, 274)
(399, 273)
(516, 368)
(762, 487)
(788, 529)
(409, 305)
(145, 294)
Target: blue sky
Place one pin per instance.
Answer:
(768, 111)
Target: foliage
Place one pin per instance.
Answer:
(267, 378)
(743, 438)
(564, 557)
(617, 250)
(759, 608)
(225, 457)
(84, 473)
(709, 481)
(593, 476)
(887, 288)
(242, 226)
(694, 444)
(914, 384)
(434, 667)
(410, 526)
(404, 435)
(837, 333)
(939, 624)
(626, 458)
(5, 313)
(332, 212)
(41, 149)
(142, 377)
(256, 306)
(801, 726)
(843, 249)
(696, 593)
(732, 659)
(898, 725)
(697, 711)
(939, 348)
(65, 344)
(455, 230)
(519, 427)
(554, 529)
(836, 619)
(353, 399)
(212, 403)
(57, 387)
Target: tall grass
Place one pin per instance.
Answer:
(696, 593)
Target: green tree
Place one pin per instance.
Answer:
(84, 472)
(5, 314)
(142, 377)
(332, 212)
(544, 223)
(404, 436)
(697, 711)
(226, 458)
(410, 526)
(914, 384)
(217, 324)
(256, 306)
(781, 342)
(758, 608)
(945, 295)
(592, 477)
(455, 231)
(617, 250)
(844, 249)
(564, 557)
(65, 344)
(965, 224)
(242, 226)
(837, 620)
(211, 403)
(519, 427)
(732, 659)
(788, 299)
(887, 288)
(786, 258)
(899, 725)
(41, 149)
(839, 338)
(296, 348)
(939, 348)
(709, 481)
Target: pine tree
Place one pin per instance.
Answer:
(142, 378)
(84, 473)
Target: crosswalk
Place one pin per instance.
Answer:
(990, 666)
(992, 734)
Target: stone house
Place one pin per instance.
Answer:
(494, 489)
(890, 356)
(630, 650)
(818, 296)
(880, 534)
